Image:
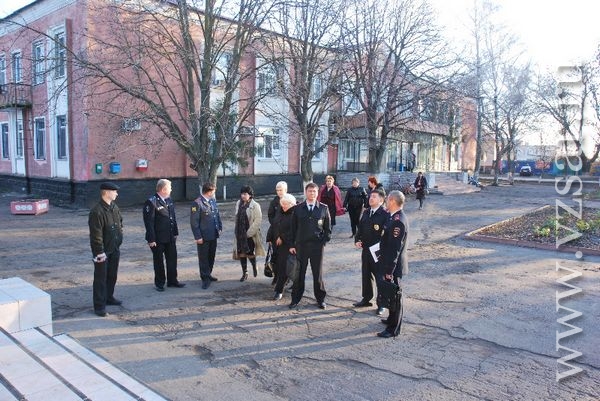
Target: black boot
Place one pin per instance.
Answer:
(244, 263)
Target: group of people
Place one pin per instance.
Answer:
(298, 233)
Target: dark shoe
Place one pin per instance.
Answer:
(101, 313)
(385, 334)
(213, 278)
(322, 305)
(293, 305)
(385, 321)
(113, 301)
(380, 311)
(277, 296)
(362, 304)
(205, 284)
(160, 288)
(244, 277)
(176, 285)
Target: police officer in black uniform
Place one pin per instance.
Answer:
(393, 260)
(161, 235)
(368, 234)
(106, 235)
(311, 230)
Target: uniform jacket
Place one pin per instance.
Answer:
(394, 238)
(160, 220)
(254, 214)
(355, 198)
(205, 219)
(106, 228)
(339, 205)
(370, 227)
(312, 226)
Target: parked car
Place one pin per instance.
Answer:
(525, 171)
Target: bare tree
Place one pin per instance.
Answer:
(396, 56)
(575, 106)
(178, 66)
(308, 69)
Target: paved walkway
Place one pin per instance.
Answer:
(480, 319)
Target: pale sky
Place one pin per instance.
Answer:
(554, 31)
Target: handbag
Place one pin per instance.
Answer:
(292, 267)
(268, 271)
(390, 294)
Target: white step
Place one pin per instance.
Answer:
(39, 367)
(24, 306)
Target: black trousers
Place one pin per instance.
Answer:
(369, 271)
(280, 260)
(396, 312)
(310, 252)
(161, 252)
(354, 214)
(206, 258)
(105, 279)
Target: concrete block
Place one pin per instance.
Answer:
(33, 306)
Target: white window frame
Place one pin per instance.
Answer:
(222, 69)
(318, 142)
(20, 140)
(59, 55)
(39, 139)
(16, 62)
(5, 140)
(269, 147)
(316, 89)
(62, 154)
(269, 78)
(38, 63)
(3, 69)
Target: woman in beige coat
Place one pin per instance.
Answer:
(247, 241)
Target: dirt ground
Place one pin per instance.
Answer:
(480, 318)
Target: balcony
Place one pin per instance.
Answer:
(15, 95)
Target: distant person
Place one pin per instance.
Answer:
(421, 188)
(311, 230)
(330, 195)
(206, 225)
(247, 239)
(369, 233)
(355, 200)
(283, 238)
(272, 213)
(393, 260)
(106, 235)
(161, 235)
(372, 183)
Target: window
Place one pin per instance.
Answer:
(60, 55)
(2, 70)
(349, 147)
(19, 139)
(222, 68)
(5, 152)
(268, 146)
(318, 142)
(17, 72)
(351, 101)
(61, 137)
(316, 90)
(38, 63)
(39, 139)
(270, 79)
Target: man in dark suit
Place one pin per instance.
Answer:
(369, 232)
(311, 230)
(206, 227)
(393, 260)
(161, 235)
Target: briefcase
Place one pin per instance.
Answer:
(390, 294)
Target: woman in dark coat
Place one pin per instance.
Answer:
(355, 200)
(282, 235)
(421, 188)
(330, 195)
